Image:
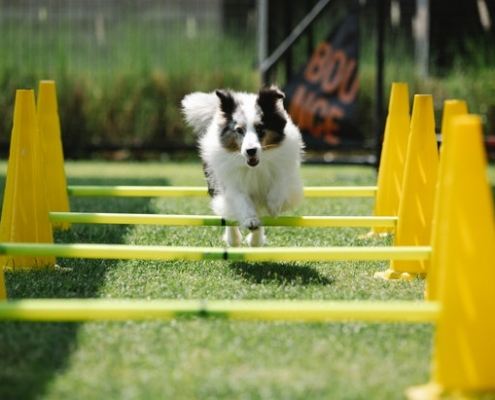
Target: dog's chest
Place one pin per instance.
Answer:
(258, 181)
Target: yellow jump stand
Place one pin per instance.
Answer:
(418, 191)
(25, 211)
(464, 356)
(51, 146)
(391, 171)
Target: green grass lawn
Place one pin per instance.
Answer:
(194, 358)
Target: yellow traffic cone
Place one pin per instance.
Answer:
(25, 212)
(391, 171)
(51, 146)
(451, 109)
(418, 191)
(464, 355)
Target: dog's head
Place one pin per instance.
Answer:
(252, 124)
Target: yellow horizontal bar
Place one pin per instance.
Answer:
(195, 191)
(340, 191)
(207, 220)
(126, 252)
(138, 191)
(112, 251)
(363, 253)
(269, 310)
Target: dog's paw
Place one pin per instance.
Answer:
(251, 223)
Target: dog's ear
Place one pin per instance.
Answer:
(268, 98)
(227, 102)
(270, 102)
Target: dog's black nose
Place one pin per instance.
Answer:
(251, 152)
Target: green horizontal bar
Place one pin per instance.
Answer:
(195, 191)
(269, 310)
(138, 219)
(206, 220)
(126, 252)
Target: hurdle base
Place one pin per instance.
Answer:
(435, 391)
(391, 274)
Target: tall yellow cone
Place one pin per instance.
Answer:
(464, 355)
(451, 109)
(418, 191)
(391, 172)
(51, 146)
(25, 212)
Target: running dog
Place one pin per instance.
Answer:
(251, 152)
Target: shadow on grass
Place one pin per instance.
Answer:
(32, 353)
(280, 273)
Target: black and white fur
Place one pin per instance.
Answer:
(251, 154)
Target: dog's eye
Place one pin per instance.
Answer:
(239, 130)
(260, 129)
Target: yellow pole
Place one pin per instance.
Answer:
(391, 171)
(418, 190)
(267, 310)
(52, 152)
(464, 355)
(126, 252)
(199, 191)
(451, 109)
(211, 220)
(25, 211)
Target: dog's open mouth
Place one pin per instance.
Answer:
(253, 161)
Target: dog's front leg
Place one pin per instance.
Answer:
(242, 209)
(232, 236)
(248, 219)
(256, 237)
(238, 206)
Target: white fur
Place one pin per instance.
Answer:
(246, 192)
